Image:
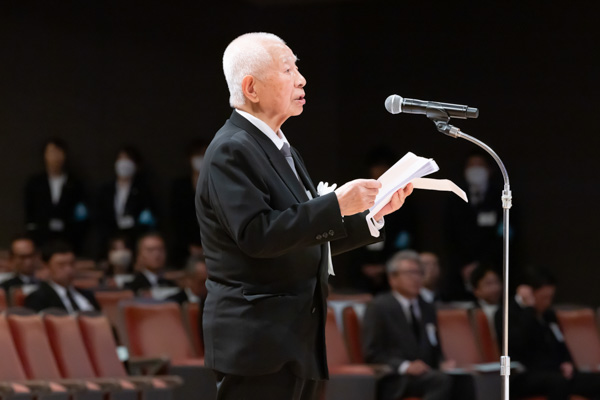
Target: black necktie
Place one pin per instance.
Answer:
(74, 305)
(415, 322)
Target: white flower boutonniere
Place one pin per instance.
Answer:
(323, 188)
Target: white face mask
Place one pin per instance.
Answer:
(125, 168)
(477, 176)
(197, 162)
(120, 258)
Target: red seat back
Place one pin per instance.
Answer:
(192, 318)
(156, 329)
(352, 333)
(68, 346)
(337, 354)
(17, 297)
(486, 337)
(457, 337)
(109, 304)
(100, 345)
(2, 300)
(11, 368)
(581, 336)
(33, 346)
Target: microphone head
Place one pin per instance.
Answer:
(394, 104)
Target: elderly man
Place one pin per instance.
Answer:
(268, 236)
(151, 259)
(23, 257)
(400, 330)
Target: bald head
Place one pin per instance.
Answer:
(248, 54)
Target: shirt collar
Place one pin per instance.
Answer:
(264, 128)
(404, 301)
(61, 290)
(151, 276)
(192, 298)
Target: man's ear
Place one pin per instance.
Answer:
(249, 88)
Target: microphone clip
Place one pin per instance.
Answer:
(440, 118)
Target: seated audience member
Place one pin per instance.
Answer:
(194, 290)
(150, 263)
(431, 276)
(400, 330)
(118, 267)
(23, 257)
(487, 289)
(536, 342)
(58, 291)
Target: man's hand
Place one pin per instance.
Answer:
(395, 203)
(417, 367)
(357, 195)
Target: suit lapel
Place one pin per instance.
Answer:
(277, 159)
(404, 327)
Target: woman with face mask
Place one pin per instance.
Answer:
(125, 205)
(118, 265)
(183, 210)
(55, 206)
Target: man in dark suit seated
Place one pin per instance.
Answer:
(536, 341)
(400, 330)
(150, 263)
(268, 234)
(58, 291)
(194, 288)
(487, 289)
(23, 257)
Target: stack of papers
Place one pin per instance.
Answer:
(410, 168)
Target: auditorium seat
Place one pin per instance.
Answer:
(352, 334)
(347, 380)
(33, 347)
(457, 338)
(109, 304)
(485, 337)
(581, 336)
(86, 283)
(155, 329)
(100, 346)
(16, 297)
(3, 302)
(191, 317)
(14, 383)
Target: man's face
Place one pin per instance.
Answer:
(543, 298)
(407, 279)
(23, 256)
(152, 254)
(489, 288)
(61, 268)
(54, 157)
(280, 88)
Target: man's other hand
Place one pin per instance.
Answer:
(396, 202)
(357, 196)
(417, 368)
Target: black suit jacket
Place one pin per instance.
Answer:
(531, 339)
(71, 209)
(140, 282)
(179, 297)
(266, 253)
(388, 337)
(46, 297)
(15, 281)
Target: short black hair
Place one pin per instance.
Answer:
(479, 272)
(55, 247)
(155, 234)
(56, 141)
(538, 277)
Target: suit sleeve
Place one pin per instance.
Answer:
(374, 339)
(240, 198)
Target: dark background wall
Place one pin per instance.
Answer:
(103, 73)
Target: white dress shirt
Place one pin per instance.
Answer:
(82, 302)
(56, 186)
(151, 276)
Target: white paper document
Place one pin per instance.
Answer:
(410, 168)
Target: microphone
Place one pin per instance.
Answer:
(396, 104)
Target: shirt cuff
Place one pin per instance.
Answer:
(403, 367)
(379, 224)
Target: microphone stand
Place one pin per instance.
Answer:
(441, 118)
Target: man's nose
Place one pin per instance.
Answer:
(300, 80)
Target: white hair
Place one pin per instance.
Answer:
(246, 55)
